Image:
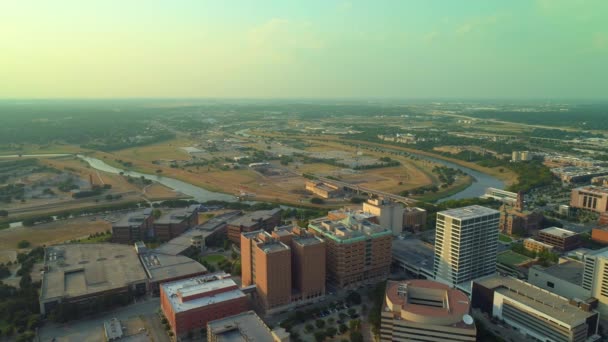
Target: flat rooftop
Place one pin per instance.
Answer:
(555, 231)
(133, 218)
(544, 301)
(469, 212)
(181, 243)
(199, 286)
(175, 216)
(593, 189)
(352, 228)
(83, 269)
(414, 252)
(570, 271)
(246, 326)
(253, 218)
(160, 267)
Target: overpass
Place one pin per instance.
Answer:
(360, 189)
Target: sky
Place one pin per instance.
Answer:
(541, 49)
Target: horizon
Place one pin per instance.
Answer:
(318, 50)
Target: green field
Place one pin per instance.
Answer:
(213, 258)
(511, 258)
(504, 238)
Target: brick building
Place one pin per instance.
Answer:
(261, 219)
(133, 226)
(190, 304)
(358, 250)
(175, 222)
(562, 239)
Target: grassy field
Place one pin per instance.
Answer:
(51, 233)
(511, 258)
(167, 150)
(504, 238)
(213, 258)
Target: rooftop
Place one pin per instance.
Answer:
(352, 228)
(555, 231)
(133, 218)
(469, 212)
(425, 299)
(161, 267)
(414, 252)
(570, 271)
(593, 188)
(175, 216)
(544, 301)
(246, 326)
(178, 290)
(74, 270)
(253, 218)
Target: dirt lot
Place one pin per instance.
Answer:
(49, 233)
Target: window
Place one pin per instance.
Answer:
(550, 284)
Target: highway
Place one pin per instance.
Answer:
(369, 191)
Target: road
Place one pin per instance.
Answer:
(358, 188)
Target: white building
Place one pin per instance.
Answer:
(595, 278)
(466, 242)
(390, 214)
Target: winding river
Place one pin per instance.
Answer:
(481, 181)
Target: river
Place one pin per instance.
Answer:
(481, 181)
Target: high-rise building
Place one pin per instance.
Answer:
(358, 250)
(466, 242)
(595, 278)
(425, 310)
(390, 214)
(266, 262)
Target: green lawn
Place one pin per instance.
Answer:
(213, 258)
(511, 258)
(504, 238)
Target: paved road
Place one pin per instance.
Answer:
(90, 329)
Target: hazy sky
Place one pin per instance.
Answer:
(304, 48)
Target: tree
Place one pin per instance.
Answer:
(309, 328)
(320, 323)
(23, 244)
(331, 332)
(353, 298)
(109, 197)
(3, 213)
(157, 213)
(356, 336)
(319, 336)
(317, 200)
(343, 328)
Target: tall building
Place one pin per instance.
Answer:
(358, 250)
(533, 311)
(595, 278)
(466, 242)
(424, 310)
(266, 262)
(191, 303)
(389, 214)
(271, 254)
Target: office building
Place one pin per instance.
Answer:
(595, 277)
(424, 310)
(561, 239)
(82, 273)
(533, 311)
(323, 190)
(389, 214)
(244, 327)
(564, 279)
(175, 222)
(162, 268)
(504, 196)
(190, 304)
(590, 197)
(266, 263)
(358, 250)
(133, 226)
(466, 242)
(536, 246)
(414, 219)
(261, 219)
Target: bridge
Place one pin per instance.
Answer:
(360, 189)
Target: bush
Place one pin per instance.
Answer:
(23, 244)
(320, 323)
(317, 200)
